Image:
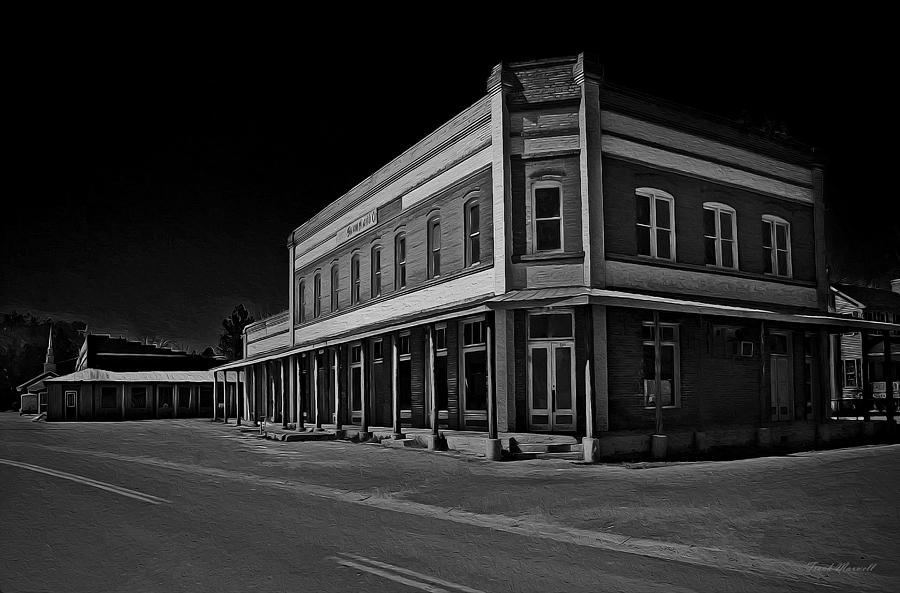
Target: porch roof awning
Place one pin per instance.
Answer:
(462, 308)
(99, 375)
(571, 296)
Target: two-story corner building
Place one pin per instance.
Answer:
(564, 256)
(861, 375)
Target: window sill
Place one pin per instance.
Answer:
(552, 256)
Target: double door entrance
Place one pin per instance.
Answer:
(551, 385)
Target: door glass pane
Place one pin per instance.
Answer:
(563, 378)
(476, 380)
(561, 325)
(539, 326)
(539, 379)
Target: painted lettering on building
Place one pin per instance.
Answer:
(360, 225)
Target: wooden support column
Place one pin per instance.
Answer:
(888, 380)
(657, 370)
(864, 376)
(315, 382)
(242, 406)
(123, 401)
(337, 389)
(432, 396)
(364, 392)
(588, 401)
(225, 397)
(287, 388)
(395, 393)
(299, 361)
(154, 393)
(491, 393)
(215, 396)
(822, 399)
(274, 410)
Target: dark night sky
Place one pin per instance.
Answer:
(156, 184)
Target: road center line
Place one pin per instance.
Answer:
(88, 482)
(391, 576)
(413, 573)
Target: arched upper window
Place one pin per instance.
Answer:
(434, 247)
(776, 246)
(335, 288)
(317, 294)
(354, 280)
(301, 301)
(400, 261)
(720, 235)
(473, 233)
(655, 223)
(547, 213)
(376, 271)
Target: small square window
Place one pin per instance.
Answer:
(70, 399)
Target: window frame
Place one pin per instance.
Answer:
(544, 184)
(675, 343)
(400, 280)
(375, 285)
(438, 349)
(376, 358)
(317, 294)
(301, 300)
(773, 222)
(68, 392)
(653, 195)
(355, 280)
(472, 234)
(146, 388)
(400, 354)
(434, 247)
(717, 208)
(335, 287)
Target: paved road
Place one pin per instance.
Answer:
(191, 506)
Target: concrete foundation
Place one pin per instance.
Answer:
(659, 444)
(493, 451)
(591, 448)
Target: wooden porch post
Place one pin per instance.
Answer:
(215, 395)
(588, 401)
(395, 393)
(242, 404)
(299, 364)
(287, 389)
(315, 382)
(364, 395)
(864, 376)
(432, 396)
(491, 392)
(888, 380)
(657, 370)
(274, 409)
(123, 401)
(337, 389)
(225, 397)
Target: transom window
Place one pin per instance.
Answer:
(403, 348)
(548, 217)
(669, 364)
(434, 247)
(720, 235)
(473, 332)
(335, 279)
(354, 280)
(776, 246)
(317, 295)
(378, 350)
(440, 338)
(473, 234)
(356, 353)
(400, 261)
(550, 325)
(376, 271)
(655, 220)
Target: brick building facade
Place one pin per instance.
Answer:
(564, 256)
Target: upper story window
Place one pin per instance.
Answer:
(317, 295)
(400, 261)
(434, 247)
(301, 301)
(354, 280)
(720, 235)
(376, 271)
(473, 233)
(776, 246)
(655, 219)
(548, 216)
(335, 293)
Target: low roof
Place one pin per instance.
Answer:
(99, 376)
(878, 299)
(24, 386)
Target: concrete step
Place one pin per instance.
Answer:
(546, 447)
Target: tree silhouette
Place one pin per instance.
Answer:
(231, 342)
